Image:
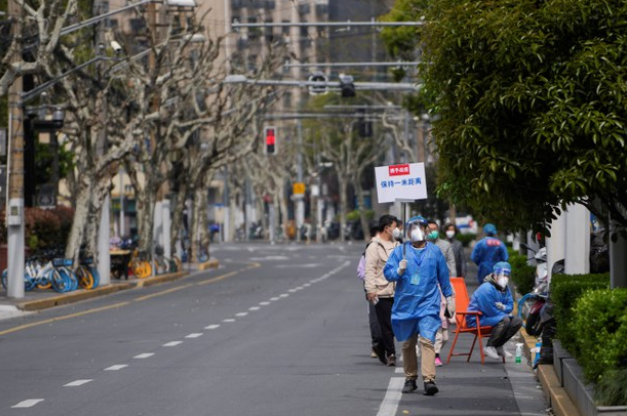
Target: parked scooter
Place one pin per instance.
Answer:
(530, 306)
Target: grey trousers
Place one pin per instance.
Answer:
(504, 330)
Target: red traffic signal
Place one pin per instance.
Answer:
(270, 135)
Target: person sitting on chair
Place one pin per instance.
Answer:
(494, 300)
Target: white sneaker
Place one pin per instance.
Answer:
(501, 351)
(491, 352)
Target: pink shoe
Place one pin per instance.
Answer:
(438, 362)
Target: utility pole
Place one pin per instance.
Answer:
(300, 199)
(15, 172)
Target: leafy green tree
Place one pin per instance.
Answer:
(531, 100)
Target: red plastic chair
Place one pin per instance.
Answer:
(461, 306)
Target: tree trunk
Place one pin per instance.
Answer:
(177, 215)
(343, 184)
(81, 216)
(363, 217)
(283, 212)
(198, 232)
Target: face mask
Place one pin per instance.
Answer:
(417, 235)
(396, 233)
(503, 282)
(433, 235)
(450, 234)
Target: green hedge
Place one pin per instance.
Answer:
(565, 290)
(600, 322)
(523, 275)
(465, 239)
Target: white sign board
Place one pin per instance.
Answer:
(401, 182)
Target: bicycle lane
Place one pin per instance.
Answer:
(71, 344)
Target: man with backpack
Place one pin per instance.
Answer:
(379, 291)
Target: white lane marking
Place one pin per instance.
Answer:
(399, 370)
(307, 285)
(241, 314)
(392, 398)
(213, 326)
(77, 383)
(264, 303)
(194, 335)
(144, 355)
(27, 403)
(172, 343)
(228, 320)
(283, 295)
(274, 299)
(299, 288)
(254, 308)
(116, 367)
(292, 290)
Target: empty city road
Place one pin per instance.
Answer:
(277, 330)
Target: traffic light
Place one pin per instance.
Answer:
(317, 89)
(347, 86)
(270, 136)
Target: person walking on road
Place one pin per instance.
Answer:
(494, 300)
(375, 330)
(379, 291)
(418, 268)
(487, 252)
(458, 249)
(445, 247)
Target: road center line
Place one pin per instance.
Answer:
(392, 398)
(27, 403)
(144, 355)
(77, 383)
(116, 367)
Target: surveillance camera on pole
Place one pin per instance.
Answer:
(347, 85)
(317, 89)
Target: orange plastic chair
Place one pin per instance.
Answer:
(461, 307)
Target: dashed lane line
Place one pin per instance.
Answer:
(77, 383)
(194, 335)
(241, 314)
(254, 308)
(274, 299)
(172, 343)
(214, 326)
(392, 398)
(264, 303)
(27, 403)
(228, 320)
(144, 355)
(116, 367)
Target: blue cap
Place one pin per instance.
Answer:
(489, 229)
(502, 265)
(419, 219)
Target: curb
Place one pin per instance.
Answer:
(83, 294)
(211, 264)
(559, 400)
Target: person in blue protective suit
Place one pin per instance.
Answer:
(418, 267)
(494, 300)
(487, 252)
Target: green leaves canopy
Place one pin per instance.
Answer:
(531, 100)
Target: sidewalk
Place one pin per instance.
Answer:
(42, 299)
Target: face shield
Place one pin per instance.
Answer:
(502, 273)
(416, 229)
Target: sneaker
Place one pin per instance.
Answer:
(501, 351)
(373, 354)
(391, 361)
(438, 362)
(430, 388)
(491, 352)
(410, 385)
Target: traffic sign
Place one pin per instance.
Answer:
(299, 188)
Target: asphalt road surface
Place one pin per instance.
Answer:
(277, 330)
